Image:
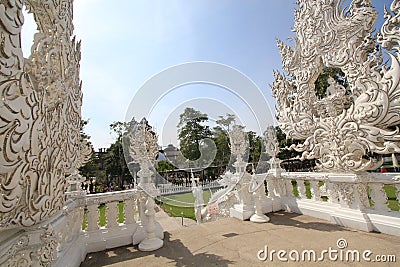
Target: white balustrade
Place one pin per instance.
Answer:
(170, 189)
(357, 201)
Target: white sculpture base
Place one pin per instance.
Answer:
(151, 244)
(140, 234)
(241, 212)
(259, 218)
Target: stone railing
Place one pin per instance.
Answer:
(101, 221)
(87, 223)
(110, 219)
(170, 189)
(368, 202)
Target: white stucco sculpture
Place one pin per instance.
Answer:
(197, 191)
(341, 132)
(142, 148)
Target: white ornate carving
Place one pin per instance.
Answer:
(197, 191)
(238, 142)
(31, 252)
(143, 149)
(271, 142)
(341, 135)
(40, 112)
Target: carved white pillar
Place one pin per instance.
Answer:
(289, 188)
(271, 187)
(92, 217)
(151, 242)
(332, 191)
(112, 212)
(301, 188)
(129, 210)
(378, 196)
(259, 216)
(315, 191)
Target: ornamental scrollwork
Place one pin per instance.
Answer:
(271, 142)
(344, 129)
(238, 141)
(40, 104)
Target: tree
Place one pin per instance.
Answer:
(255, 147)
(164, 166)
(226, 121)
(115, 160)
(221, 140)
(191, 131)
(90, 168)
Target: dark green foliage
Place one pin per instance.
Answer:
(255, 146)
(221, 140)
(191, 131)
(164, 166)
(283, 143)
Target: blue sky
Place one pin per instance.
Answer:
(127, 42)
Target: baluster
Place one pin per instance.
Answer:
(301, 188)
(333, 196)
(378, 196)
(93, 217)
(270, 188)
(315, 191)
(112, 214)
(289, 188)
(129, 210)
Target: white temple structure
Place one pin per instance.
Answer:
(45, 220)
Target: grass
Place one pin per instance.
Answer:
(181, 204)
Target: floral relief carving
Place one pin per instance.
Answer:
(339, 131)
(40, 105)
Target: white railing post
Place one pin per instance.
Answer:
(129, 211)
(289, 188)
(333, 195)
(378, 197)
(112, 212)
(151, 242)
(315, 191)
(92, 217)
(301, 188)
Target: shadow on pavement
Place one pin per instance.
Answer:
(173, 250)
(289, 219)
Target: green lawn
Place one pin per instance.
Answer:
(181, 204)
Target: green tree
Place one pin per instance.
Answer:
(115, 164)
(191, 131)
(255, 146)
(221, 140)
(164, 166)
(91, 167)
(227, 121)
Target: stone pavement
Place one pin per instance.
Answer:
(231, 242)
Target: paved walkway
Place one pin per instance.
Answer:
(231, 242)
